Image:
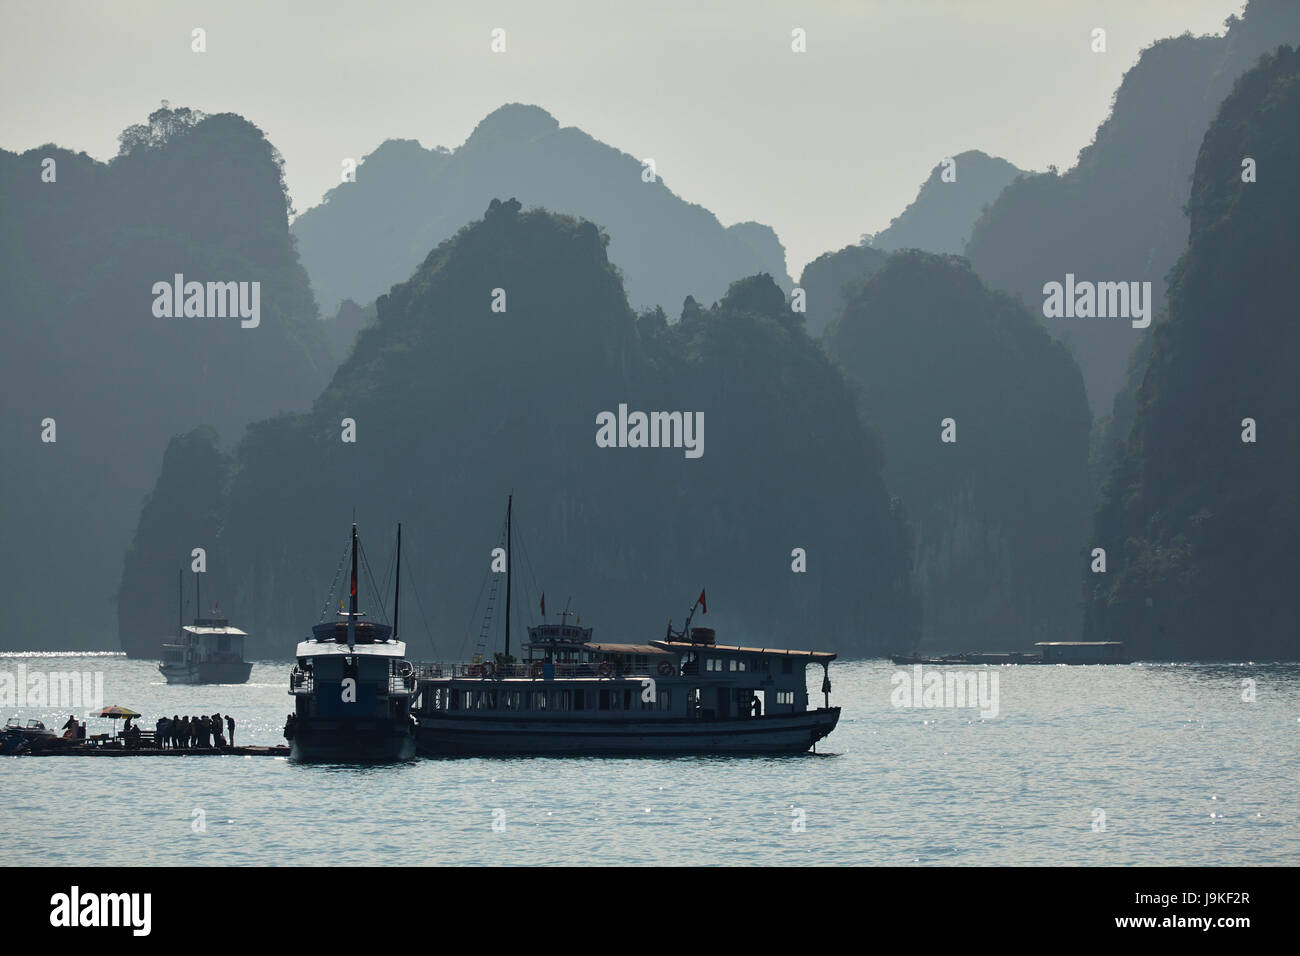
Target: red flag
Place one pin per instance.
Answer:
(703, 607)
(543, 604)
(353, 592)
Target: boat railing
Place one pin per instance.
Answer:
(399, 684)
(534, 670)
(303, 683)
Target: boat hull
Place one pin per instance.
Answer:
(352, 741)
(457, 735)
(224, 672)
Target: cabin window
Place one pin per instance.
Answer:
(627, 699)
(564, 700)
(785, 697)
(512, 699)
(537, 700)
(604, 700)
(579, 699)
(665, 700)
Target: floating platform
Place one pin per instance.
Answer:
(82, 751)
(1049, 652)
(1012, 658)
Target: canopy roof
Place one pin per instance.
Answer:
(202, 631)
(629, 649)
(732, 648)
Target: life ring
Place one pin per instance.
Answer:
(537, 670)
(604, 669)
(666, 669)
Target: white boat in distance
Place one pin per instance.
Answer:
(209, 651)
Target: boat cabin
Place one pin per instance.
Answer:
(567, 673)
(207, 640)
(369, 678)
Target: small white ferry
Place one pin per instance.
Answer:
(209, 651)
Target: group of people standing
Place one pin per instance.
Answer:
(185, 732)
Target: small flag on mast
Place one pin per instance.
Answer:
(703, 607)
(543, 604)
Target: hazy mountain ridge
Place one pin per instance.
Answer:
(1118, 214)
(943, 213)
(368, 235)
(1199, 526)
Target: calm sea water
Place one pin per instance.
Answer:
(1184, 770)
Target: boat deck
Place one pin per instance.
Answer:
(92, 751)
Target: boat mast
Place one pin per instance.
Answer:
(510, 502)
(397, 586)
(352, 609)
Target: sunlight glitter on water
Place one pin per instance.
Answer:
(1148, 746)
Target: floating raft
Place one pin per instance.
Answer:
(280, 751)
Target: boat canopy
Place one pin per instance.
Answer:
(327, 648)
(560, 632)
(630, 649)
(818, 656)
(205, 631)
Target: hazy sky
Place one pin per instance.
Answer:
(822, 146)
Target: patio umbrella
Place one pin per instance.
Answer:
(117, 713)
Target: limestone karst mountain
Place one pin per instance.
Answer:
(1117, 216)
(83, 244)
(1201, 515)
(369, 234)
(999, 513)
(456, 406)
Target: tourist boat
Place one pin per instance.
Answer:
(573, 695)
(352, 687)
(209, 651)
